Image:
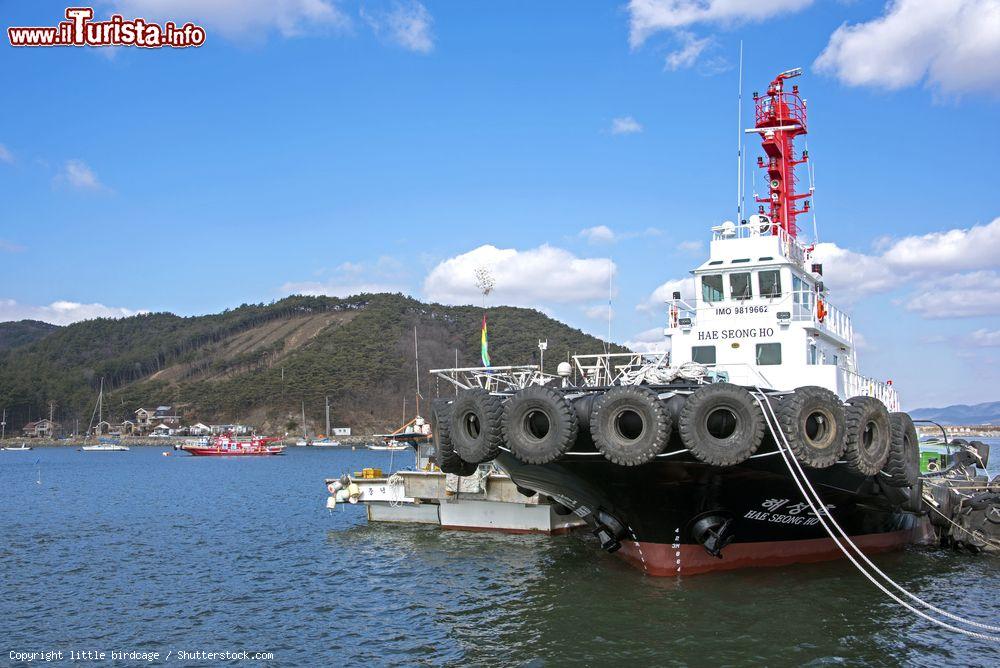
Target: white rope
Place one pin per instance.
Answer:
(820, 510)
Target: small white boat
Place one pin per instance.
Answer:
(388, 446)
(17, 448)
(105, 447)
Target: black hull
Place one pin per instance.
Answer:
(709, 518)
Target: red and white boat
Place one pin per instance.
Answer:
(228, 445)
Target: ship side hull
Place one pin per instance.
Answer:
(755, 507)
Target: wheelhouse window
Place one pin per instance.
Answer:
(770, 283)
(768, 354)
(711, 288)
(740, 286)
(703, 354)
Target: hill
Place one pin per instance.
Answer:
(261, 363)
(986, 413)
(23, 332)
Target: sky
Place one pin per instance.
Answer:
(336, 146)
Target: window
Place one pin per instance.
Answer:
(768, 354)
(741, 260)
(770, 283)
(714, 262)
(739, 286)
(703, 354)
(813, 354)
(711, 288)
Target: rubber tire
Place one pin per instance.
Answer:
(946, 506)
(903, 463)
(562, 421)
(735, 448)
(984, 452)
(652, 439)
(859, 412)
(487, 409)
(444, 453)
(793, 411)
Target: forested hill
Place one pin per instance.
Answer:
(260, 363)
(23, 332)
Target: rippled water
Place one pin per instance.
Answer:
(136, 551)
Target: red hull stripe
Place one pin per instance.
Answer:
(669, 560)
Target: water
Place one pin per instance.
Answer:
(139, 552)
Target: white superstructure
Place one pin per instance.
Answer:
(761, 316)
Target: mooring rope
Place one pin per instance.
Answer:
(820, 510)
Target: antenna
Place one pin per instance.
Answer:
(739, 141)
(416, 359)
(811, 171)
(611, 264)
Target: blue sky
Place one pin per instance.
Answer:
(330, 147)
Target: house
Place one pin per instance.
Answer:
(166, 414)
(199, 429)
(144, 417)
(40, 429)
(162, 429)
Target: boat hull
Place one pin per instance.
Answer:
(213, 452)
(761, 518)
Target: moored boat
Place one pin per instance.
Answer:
(754, 442)
(229, 445)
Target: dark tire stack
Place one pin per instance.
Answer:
(902, 464)
(868, 435)
(475, 425)
(444, 452)
(812, 419)
(630, 425)
(539, 425)
(721, 424)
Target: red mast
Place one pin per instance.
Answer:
(780, 118)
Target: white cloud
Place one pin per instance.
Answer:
(79, 175)
(5, 155)
(625, 125)
(953, 46)
(656, 302)
(237, 19)
(647, 17)
(531, 278)
(386, 274)
(985, 337)
(61, 312)
(977, 247)
(599, 234)
(691, 48)
(406, 24)
(649, 341)
(599, 312)
(10, 247)
(691, 247)
(975, 294)
(901, 262)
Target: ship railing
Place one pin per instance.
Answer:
(495, 379)
(780, 109)
(853, 384)
(805, 308)
(789, 246)
(608, 369)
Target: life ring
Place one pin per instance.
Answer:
(820, 310)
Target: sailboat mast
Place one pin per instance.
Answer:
(416, 358)
(304, 434)
(327, 417)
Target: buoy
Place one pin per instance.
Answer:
(166, 454)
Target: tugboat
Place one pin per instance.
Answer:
(228, 445)
(700, 460)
